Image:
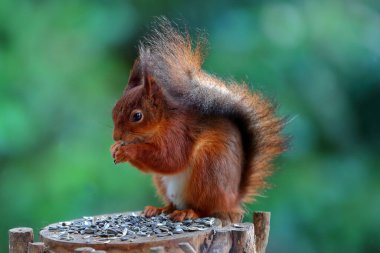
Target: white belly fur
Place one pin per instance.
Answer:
(175, 186)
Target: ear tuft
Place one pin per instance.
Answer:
(150, 84)
(135, 75)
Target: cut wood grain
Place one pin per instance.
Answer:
(159, 249)
(37, 247)
(231, 239)
(186, 247)
(19, 239)
(261, 221)
(84, 250)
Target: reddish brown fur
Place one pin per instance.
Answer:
(227, 161)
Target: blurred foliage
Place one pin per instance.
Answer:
(63, 64)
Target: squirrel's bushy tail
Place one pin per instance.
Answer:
(176, 64)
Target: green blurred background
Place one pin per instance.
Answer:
(63, 64)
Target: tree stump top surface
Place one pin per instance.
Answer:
(53, 239)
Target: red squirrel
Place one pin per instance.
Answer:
(208, 143)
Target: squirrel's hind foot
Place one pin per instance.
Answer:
(177, 215)
(150, 211)
(180, 215)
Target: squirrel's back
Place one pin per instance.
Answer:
(170, 57)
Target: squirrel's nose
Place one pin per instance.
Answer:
(116, 135)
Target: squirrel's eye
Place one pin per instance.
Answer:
(137, 116)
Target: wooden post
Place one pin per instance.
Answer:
(19, 238)
(186, 247)
(37, 247)
(261, 221)
(158, 249)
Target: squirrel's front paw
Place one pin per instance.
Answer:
(118, 151)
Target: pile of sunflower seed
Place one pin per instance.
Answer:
(125, 227)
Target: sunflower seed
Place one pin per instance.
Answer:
(126, 227)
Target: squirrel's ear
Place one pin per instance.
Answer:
(150, 84)
(135, 75)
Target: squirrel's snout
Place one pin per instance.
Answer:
(117, 135)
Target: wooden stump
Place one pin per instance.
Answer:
(139, 245)
(19, 239)
(37, 247)
(236, 237)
